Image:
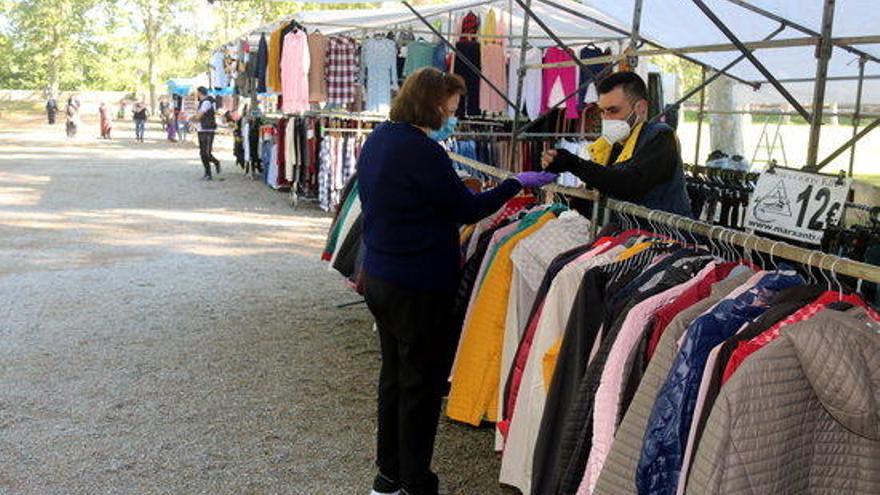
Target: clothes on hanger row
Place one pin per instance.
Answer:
(630, 363)
(310, 70)
(301, 152)
(344, 247)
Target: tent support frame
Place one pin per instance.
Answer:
(823, 53)
(581, 15)
(757, 63)
(857, 114)
(700, 114)
(705, 82)
(748, 6)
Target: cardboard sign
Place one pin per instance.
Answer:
(796, 205)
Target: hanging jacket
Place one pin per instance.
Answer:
(475, 377)
(670, 420)
(800, 416)
(578, 428)
(618, 474)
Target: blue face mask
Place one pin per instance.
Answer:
(445, 131)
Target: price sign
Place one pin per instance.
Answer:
(796, 205)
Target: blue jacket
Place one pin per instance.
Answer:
(413, 202)
(668, 426)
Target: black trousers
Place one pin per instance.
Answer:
(206, 147)
(418, 341)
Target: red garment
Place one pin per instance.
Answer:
(469, 25)
(686, 299)
(512, 207)
(746, 348)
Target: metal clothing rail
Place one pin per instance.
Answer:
(750, 242)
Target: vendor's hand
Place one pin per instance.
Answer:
(558, 161)
(547, 158)
(535, 179)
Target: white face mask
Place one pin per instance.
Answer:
(614, 130)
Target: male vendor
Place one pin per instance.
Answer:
(634, 160)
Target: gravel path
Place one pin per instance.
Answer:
(165, 335)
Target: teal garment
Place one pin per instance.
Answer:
(333, 237)
(418, 54)
(526, 222)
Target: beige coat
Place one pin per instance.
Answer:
(801, 416)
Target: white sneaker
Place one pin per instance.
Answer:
(374, 492)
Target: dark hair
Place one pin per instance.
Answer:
(203, 90)
(633, 85)
(423, 93)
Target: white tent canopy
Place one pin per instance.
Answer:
(672, 23)
(678, 23)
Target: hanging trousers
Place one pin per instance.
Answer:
(206, 146)
(470, 103)
(418, 340)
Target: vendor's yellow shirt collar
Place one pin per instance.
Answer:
(600, 150)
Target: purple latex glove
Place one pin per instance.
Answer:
(535, 179)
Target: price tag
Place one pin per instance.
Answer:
(796, 205)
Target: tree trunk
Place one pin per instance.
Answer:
(152, 34)
(726, 131)
(54, 64)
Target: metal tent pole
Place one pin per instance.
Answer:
(700, 117)
(520, 76)
(757, 63)
(857, 114)
(633, 61)
(823, 53)
(706, 82)
(846, 145)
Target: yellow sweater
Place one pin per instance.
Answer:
(273, 65)
(477, 371)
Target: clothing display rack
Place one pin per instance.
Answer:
(750, 242)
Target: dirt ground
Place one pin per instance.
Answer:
(160, 334)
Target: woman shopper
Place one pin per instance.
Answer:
(413, 203)
(140, 121)
(106, 120)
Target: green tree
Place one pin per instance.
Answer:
(47, 41)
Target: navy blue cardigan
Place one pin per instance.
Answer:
(413, 203)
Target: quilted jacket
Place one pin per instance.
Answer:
(801, 416)
(669, 424)
(474, 390)
(618, 473)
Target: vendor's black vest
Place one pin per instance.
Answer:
(671, 195)
(209, 118)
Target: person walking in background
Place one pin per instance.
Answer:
(72, 113)
(170, 123)
(51, 109)
(207, 119)
(106, 120)
(123, 109)
(182, 126)
(164, 107)
(140, 121)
